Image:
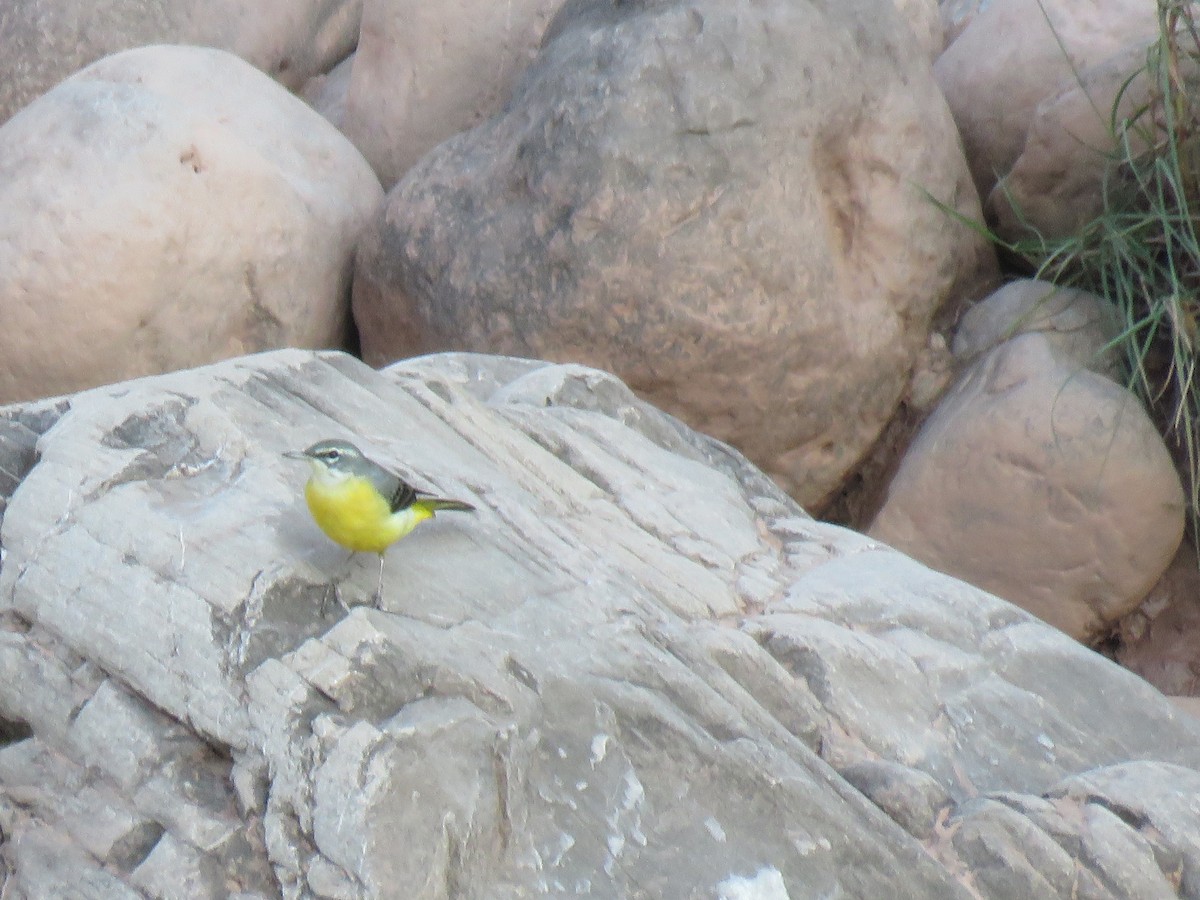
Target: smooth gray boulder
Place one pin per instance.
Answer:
(640, 670)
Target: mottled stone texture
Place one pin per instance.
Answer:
(725, 203)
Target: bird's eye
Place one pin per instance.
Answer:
(333, 455)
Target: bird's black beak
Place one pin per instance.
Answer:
(296, 454)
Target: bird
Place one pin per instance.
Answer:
(361, 505)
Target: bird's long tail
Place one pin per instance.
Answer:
(434, 504)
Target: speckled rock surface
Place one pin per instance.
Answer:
(638, 670)
(765, 265)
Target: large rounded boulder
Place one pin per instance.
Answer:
(167, 207)
(726, 203)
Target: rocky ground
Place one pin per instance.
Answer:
(640, 670)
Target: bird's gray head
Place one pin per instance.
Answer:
(333, 456)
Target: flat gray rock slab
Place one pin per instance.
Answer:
(639, 670)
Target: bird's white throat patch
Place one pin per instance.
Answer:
(325, 476)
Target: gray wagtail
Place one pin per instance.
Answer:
(360, 504)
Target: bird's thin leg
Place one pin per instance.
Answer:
(335, 588)
(379, 587)
(337, 585)
(337, 595)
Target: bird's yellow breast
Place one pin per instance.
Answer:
(357, 516)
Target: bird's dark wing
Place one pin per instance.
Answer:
(402, 495)
(399, 492)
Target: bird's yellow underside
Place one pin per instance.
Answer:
(352, 513)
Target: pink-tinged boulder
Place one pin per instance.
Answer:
(327, 93)
(290, 40)
(1080, 326)
(166, 207)
(1037, 478)
(42, 42)
(426, 71)
(722, 202)
(1010, 56)
(956, 15)
(1056, 185)
(925, 22)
